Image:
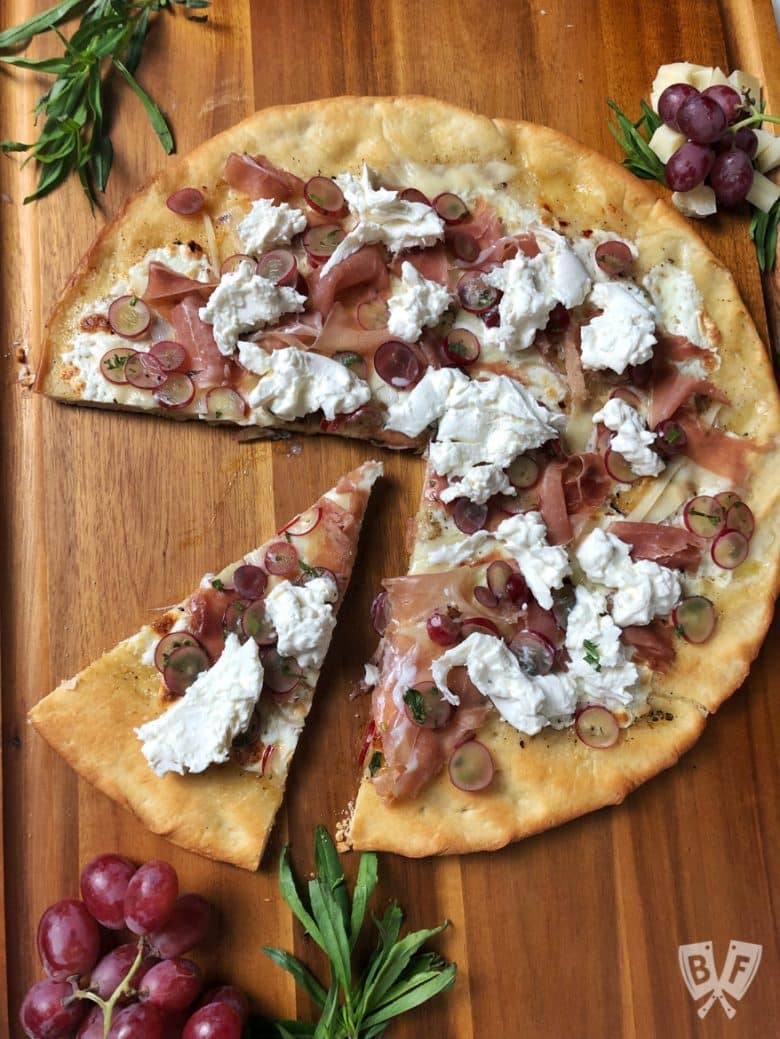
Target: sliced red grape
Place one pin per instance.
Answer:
(170, 642)
(321, 242)
(172, 984)
(671, 100)
(617, 467)
(727, 97)
(129, 316)
(68, 939)
(523, 472)
(325, 196)
(278, 266)
(313, 572)
(746, 140)
(112, 364)
(225, 404)
(474, 293)
(535, 653)
(281, 559)
(213, 1021)
(368, 742)
(151, 896)
(281, 674)
(249, 581)
(497, 576)
(517, 589)
(427, 708)
(397, 364)
(726, 499)
(380, 613)
(232, 263)
(171, 355)
(614, 258)
(492, 317)
(688, 166)
(481, 625)
(414, 195)
(451, 208)
(485, 597)
(103, 883)
(558, 321)
(231, 996)
(303, 524)
(740, 517)
(372, 314)
(471, 766)
(442, 629)
(177, 391)
(144, 372)
(703, 516)
(468, 516)
(464, 245)
(44, 1015)
(671, 438)
(701, 119)
(461, 347)
(597, 727)
(186, 202)
(138, 1021)
(694, 618)
(183, 667)
(729, 549)
(232, 618)
(256, 625)
(731, 177)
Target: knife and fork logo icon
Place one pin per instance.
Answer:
(697, 964)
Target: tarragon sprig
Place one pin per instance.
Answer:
(75, 136)
(356, 1004)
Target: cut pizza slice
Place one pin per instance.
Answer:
(192, 723)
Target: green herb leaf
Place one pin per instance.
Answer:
(763, 231)
(416, 704)
(368, 874)
(375, 763)
(156, 118)
(640, 158)
(22, 34)
(218, 584)
(591, 654)
(299, 971)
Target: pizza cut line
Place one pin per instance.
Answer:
(600, 418)
(192, 723)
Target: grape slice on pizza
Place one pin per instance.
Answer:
(192, 722)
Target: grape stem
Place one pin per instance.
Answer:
(123, 988)
(754, 118)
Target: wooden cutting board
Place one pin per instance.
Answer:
(105, 516)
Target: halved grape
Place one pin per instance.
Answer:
(281, 559)
(703, 516)
(303, 524)
(249, 581)
(397, 364)
(471, 766)
(597, 727)
(372, 314)
(694, 618)
(232, 263)
(701, 119)
(233, 616)
(281, 674)
(183, 667)
(225, 404)
(44, 1013)
(671, 100)
(129, 316)
(172, 984)
(461, 347)
(474, 293)
(614, 258)
(325, 196)
(726, 499)
(112, 364)
(68, 939)
(517, 589)
(688, 166)
(103, 883)
(427, 708)
(498, 574)
(177, 391)
(482, 625)
(380, 612)
(731, 177)
(451, 208)
(740, 517)
(151, 896)
(256, 625)
(485, 597)
(535, 654)
(171, 355)
(523, 472)
(213, 1021)
(442, 629)
(671, 438)
(321, 242)
(727, 97)
(144, 371)
(278, 266)
(746, 140)
(468, 516)
(186, 201)
(617, 467)
(464, 245)
(170, 642)
(414, 195)
(730, 549)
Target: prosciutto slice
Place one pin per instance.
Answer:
(259, 178)
(210, 367)
(653, 644)
(571, 487)
(432, 263)
(715, 449)
(672, 388)
(670, 546)
(553, 504)
(342, 331)
(366, 267)
(165, 287)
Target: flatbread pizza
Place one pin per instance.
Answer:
(594, 560)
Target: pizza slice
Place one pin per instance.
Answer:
(192, 722)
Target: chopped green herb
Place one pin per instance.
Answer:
(375, 763)
(416, 704)
(288, 537)
(117, 361)
(679, 630)
(457, 347)
(217, 414)
(239, 606)
(216, 583)
(591, 654)
(349, 359)
(309, 571)
(714, 520)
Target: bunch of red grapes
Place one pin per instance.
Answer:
(714, 151)
(146, 987)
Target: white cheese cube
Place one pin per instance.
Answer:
(665, 142)
(768, 152)
(707, 77)
(745, 83)
(699, 202)
(676, 72)
(763, 193)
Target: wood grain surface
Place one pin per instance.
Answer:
(105, 516)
